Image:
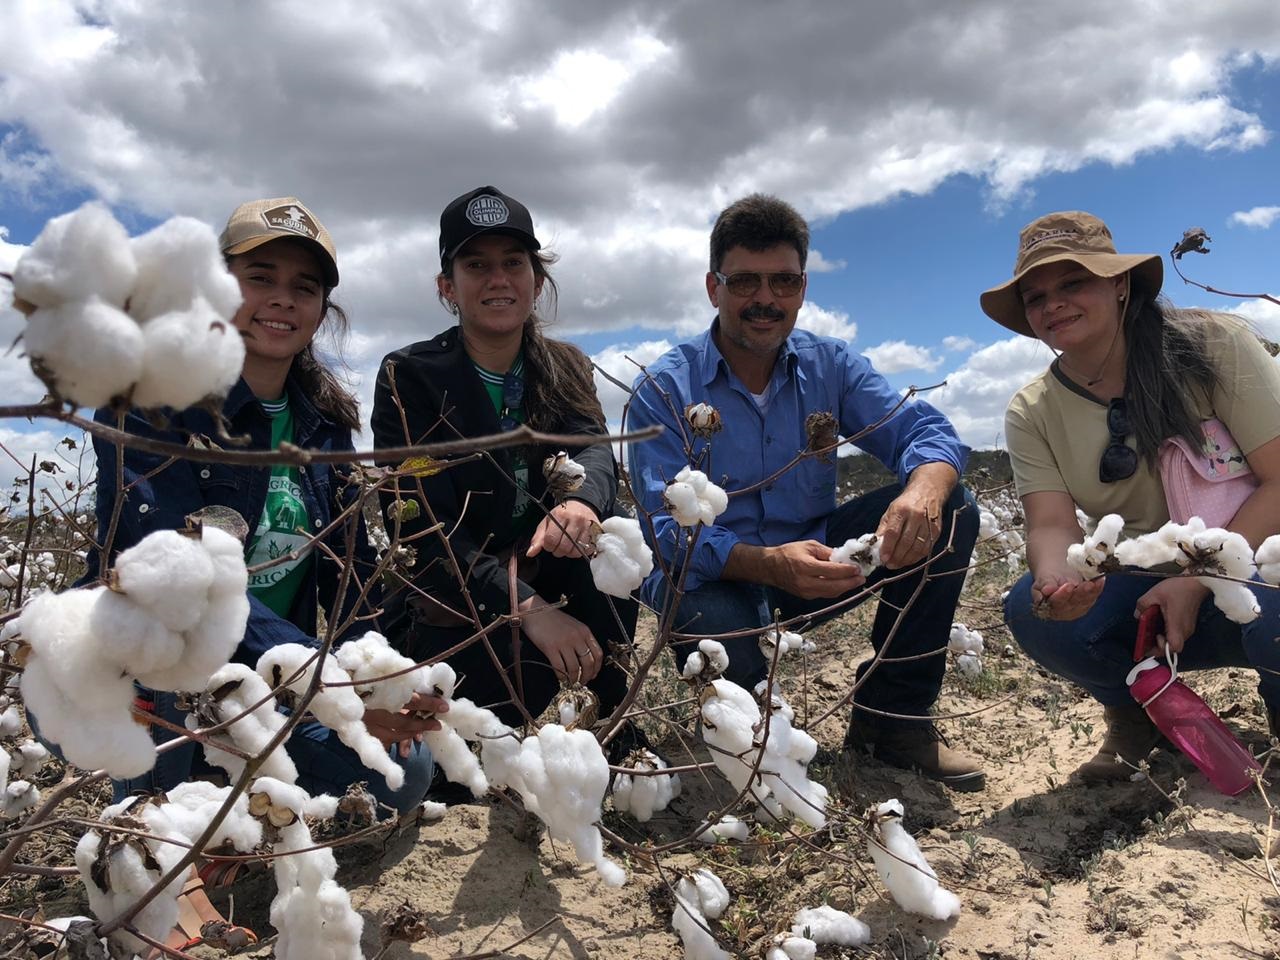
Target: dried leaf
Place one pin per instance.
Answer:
(1193, 241)
(420, 467)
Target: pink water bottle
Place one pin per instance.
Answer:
(1192, 727)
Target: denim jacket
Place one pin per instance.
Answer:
(159, 497)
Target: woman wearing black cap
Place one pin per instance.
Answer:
(499, 533)
(1131, 373)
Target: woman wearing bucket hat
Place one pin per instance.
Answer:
(508, 549)
(1131, 372)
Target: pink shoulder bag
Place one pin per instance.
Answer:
(1210, 483)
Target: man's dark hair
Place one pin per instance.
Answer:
(758, 222)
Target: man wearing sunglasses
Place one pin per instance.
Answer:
(772, 386)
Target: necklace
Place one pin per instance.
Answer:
(1092, 381)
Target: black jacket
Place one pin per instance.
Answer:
(444, 399)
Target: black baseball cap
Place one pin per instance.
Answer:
(483, 210)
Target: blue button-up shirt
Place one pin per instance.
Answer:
(813, 374)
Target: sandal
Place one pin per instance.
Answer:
(200, 922)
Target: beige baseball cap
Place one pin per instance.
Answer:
(261, 221)
(1068, 235)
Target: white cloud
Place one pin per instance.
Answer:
(623, 363)
(957, 344)
(817, 263)
(1258, 218)
(895, 356)
(826, 323)
(976, 394)
(1263, 314)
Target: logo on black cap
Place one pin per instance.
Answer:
(487, 211)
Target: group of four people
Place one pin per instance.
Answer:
(487, 543)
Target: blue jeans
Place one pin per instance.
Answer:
(909, 687)
(1096, 650)
(325, 764)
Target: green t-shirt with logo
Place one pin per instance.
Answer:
(523, 516)
(282, 528)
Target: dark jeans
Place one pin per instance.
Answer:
(905, 688)
(480, 682)
(1096, 650)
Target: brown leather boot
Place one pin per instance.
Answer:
(916, 746)
(1130, 734)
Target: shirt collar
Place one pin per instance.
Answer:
(712, 361)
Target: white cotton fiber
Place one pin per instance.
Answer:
(178, 261)
(11, 721)
(785, 642)
(640, 795)
(726, 828)
(90, 350)
(1093, 555)
(1267, 559)
(903, 869)
(369, 659)
(862, 552)
(61, 631)
(788, 946)
(192, 805)
(622, 559)
(826, 924)
(708, 661)
(131, 636)
(188, 356)
(693, 499)
(28, 757)
(253, 731)
(77, 256)
(700, 897)
(168, 573)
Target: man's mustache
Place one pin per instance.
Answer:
(761, 311)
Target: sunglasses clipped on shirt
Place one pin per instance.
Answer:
(512, 401)
(1119, 460)
(745, 284)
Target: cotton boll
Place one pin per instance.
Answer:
(130, 636)
(77, 256)
(1233, 599)
(192, 805)
(453, 755)
(61, 631)
(693, 499)
(168, 573)
(28, 757)
(177, 262)
(862, 552)
(11, 721)
(825, 924)
(643, 796)
(963, 640)
(19, 797)
(689, 923)
(1225, 552)
(784, 641)
(708, 661)
(88, 351)
(713, 897)
(988, 526)
(431, 810)
(1096, 554)
(371, 658)
(1267, 559)
(902, 867)
(188, 356)
(622, 559)
(969, 665)
(208, 645)
(252, 732)
(226, 555)
(726, 828)
(1147, 551)
(788, 946)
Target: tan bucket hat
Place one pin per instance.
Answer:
(261, 221)
(1068, 235)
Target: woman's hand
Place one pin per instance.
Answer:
(1179, 600)
(406, 726)
(1063, 595)
(569, 530)
(567, 643)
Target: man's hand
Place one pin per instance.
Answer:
(913, 522)
(406, 726)
(804, 568)
(566, 642)
(1179, 600)
(1063, 595)
(568, 530)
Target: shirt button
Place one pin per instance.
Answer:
(204, 474)
(144, 507)
(481, 608)
(319, 524)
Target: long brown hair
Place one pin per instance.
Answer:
(318, 382)
(1166, 358)
(558, 375)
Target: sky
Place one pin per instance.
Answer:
(916, 137)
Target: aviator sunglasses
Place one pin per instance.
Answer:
(745, 284)
(1119, 460)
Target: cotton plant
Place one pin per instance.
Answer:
(336, 704)
(703, 419)
(1096, 554)
(238, 697)
(644, 793)
(862, 552)
(692, 499)
(706, 663)
(173, 613)
(148, 319)
(784, 642)
(967, 646)
(622, 559)
(732, 725)
(700, 898)
(903, 869)
(563, 474)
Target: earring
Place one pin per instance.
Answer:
(453, 307)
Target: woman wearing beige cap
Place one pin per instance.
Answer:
(492, 372)
(1131, 372)
(286, 265)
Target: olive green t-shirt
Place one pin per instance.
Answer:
(1056, 432)
(282, 528)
